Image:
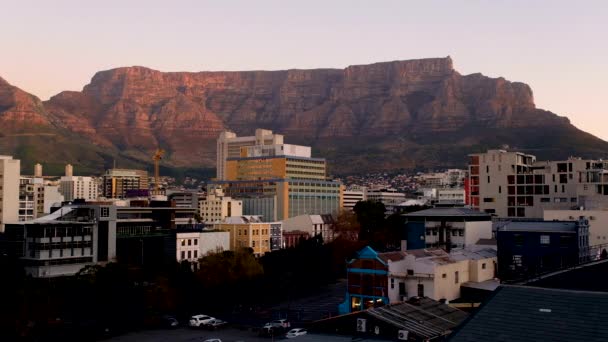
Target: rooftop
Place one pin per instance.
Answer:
(449, 212)
(519, 313)
(539, 226)
(425, 317)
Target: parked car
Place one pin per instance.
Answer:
(213, 340)
(215, 324)
(296, 332)
(198, 321)
(170, 322)
(275, 327)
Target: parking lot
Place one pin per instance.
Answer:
(188, 334)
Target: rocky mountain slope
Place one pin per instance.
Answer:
(402, 114)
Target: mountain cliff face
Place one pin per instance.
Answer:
(386, 115)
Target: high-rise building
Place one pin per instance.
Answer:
(31, 192)
(73, 187)
(265, 168)
(229, 146)
(119, 183)
(514, 184)
(10, 171)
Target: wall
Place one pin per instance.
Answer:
(598, 222)
(474, 231)
(212, 241)
(478, 273)
(447, 287)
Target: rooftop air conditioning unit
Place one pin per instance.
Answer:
(403, 334)
(361, 323)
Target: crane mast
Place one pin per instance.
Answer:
(158, 155)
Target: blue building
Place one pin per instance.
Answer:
(529, 248)
(367, 277)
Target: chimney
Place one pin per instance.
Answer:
(38, 170)
(69, 170)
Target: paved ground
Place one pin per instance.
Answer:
(190, 335)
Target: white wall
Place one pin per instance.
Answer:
(476, 230)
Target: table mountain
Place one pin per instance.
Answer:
(401, 114)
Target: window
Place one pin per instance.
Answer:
(483, 266)
(392, 283)
(189, 242)
(500, 189)
(420, 290)
(410, 272)
(183, 255)
(545, 239)
(189, 254)
(517, 260)
(195, 254)
(456, 280)
(105, 212)
(444, 276)
(196, 242)
(252, 243)
(488, 179)
(183, 242)
(488, 199)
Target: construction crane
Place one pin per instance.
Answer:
(158, 155)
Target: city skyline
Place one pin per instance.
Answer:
(552, 46)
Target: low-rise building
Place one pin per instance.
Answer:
(314, 225)
(352, 195)
(196, 243)
(598, 224)
(252, 232)
(385, 278)
(62, 243)
(294, 237)
(436, 274)
(216, 206)
(446, 228)
(529, 248)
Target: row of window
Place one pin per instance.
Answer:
(190, 241)
(190, 254)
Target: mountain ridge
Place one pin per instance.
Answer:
(391, 114)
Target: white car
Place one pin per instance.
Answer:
(200, 320)
(213, 340)
(296, 332)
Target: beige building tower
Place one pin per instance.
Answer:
(10, 174)
(229, 146)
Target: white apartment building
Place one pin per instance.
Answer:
(51, 196)
(436, 274)
(456, 196)
(388, 196)
(229, 146)
(31, 192)
(514, 184)
(193, 245)
(73, 187)
(314, 225)
(446, 228)
(216, 207)
(352, 195)
(10, 173)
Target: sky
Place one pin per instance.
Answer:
(559, 48)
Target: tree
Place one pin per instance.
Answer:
(347, 226)
(371, 217)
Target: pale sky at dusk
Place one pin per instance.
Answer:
(560, 48)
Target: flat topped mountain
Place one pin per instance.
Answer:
(399, 114)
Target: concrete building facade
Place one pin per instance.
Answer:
(216, 206)
(10, 173)
(352, 195)
(514, 184)
(252, 232)
(229, 146)
(313, 225)
(73, 187)
(119, 183)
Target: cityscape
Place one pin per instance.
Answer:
(399, 200)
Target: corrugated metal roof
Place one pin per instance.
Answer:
(463, 212)
(519, 313)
